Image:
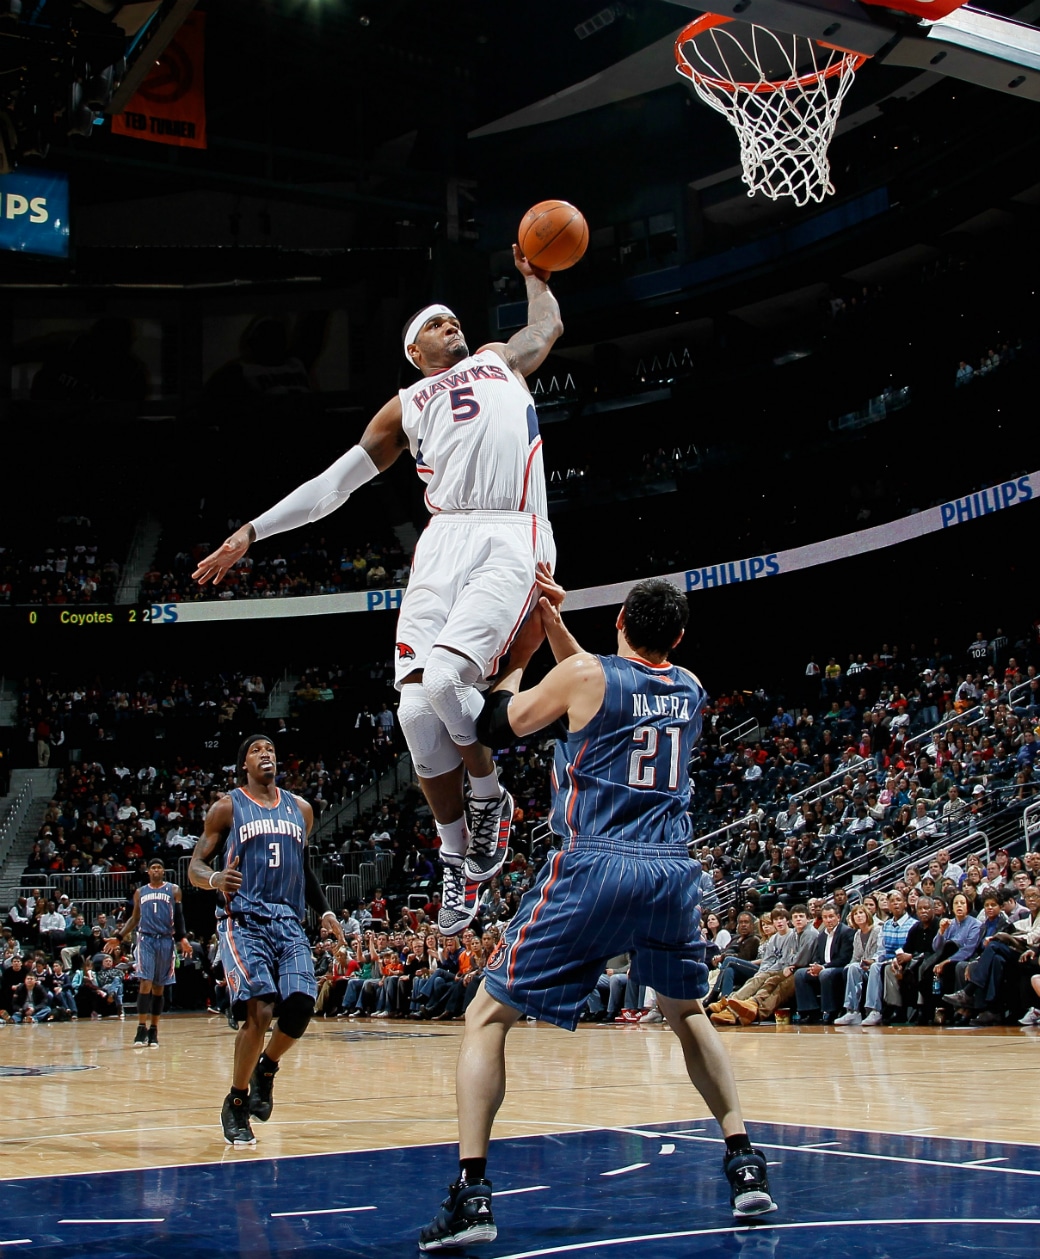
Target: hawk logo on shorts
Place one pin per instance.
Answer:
(497, 957)
(404, 652)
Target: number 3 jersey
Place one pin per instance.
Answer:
(269, 843)
(473, 430)
(624, 776)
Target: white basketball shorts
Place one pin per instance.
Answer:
(471, 586)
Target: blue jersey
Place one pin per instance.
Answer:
(157, 910)
(269, 842)
(625, 775)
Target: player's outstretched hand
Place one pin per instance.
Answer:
(186, 952)
(228, 880)
(335, 926)
(548, 585)
(110, 945)
(526, 268)
(215, 566)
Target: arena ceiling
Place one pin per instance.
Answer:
(388, 94)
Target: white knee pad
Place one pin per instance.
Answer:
(448, 680)
(432, 751)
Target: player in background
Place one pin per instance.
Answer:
(622, 881)
(472, 427)
(159, 918)
(265, 885)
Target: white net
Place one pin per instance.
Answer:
(781, 93)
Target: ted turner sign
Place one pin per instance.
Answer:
(170, 105)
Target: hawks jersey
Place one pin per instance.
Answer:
(624, 776)
(473, 430)
(269, 843)
(156, 910)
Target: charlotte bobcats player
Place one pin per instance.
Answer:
(621, 882)
(264, 888)
(159, 919)
(472, 428)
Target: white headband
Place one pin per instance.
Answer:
(415, 327)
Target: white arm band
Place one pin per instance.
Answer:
(316, 498)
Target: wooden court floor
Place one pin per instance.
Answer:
(78, 1098)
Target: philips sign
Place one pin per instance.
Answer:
(986, 502)
(731, 573)
(34, 213)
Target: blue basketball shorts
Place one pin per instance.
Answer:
(154, 960)
(265, 957)
(589, 903)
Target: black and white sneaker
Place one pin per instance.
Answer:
(261, 1089)
(153, 1038)
(459, 898)
(748, 1183)
(234, 1119)
(464, 1218)
(141, 1039)
(490, 822)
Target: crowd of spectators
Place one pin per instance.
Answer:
(111, 819)
(875, 706)
(296, 564)
(57, 714)
(994, 356)
(66, 561)
(816, 796)
(905, 955)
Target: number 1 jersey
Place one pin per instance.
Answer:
(269, 843)
(625, 775)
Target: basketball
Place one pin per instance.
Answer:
(553, 235)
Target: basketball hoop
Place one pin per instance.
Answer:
(781, 93)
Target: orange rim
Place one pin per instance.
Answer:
(851, 60)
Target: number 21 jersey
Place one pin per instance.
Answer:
(624, 776)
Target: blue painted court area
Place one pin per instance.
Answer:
(654, 1191)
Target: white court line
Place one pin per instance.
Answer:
(619, 1171)
(558, 1127)
(19, 1241)
(907, 1132)
(158, 1219)
(667, 1149)
(816, 1145)
(504, 1193)
(284, 1215)
(809, 1149)
(753, 1228)
(978, 1162)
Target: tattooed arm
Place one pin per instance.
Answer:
(528, 349)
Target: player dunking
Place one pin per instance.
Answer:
(472, 427)
(265, 886)
(159, 919)
(622, 882)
